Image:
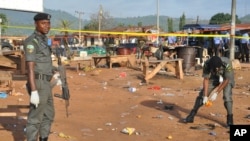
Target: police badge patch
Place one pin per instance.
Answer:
(30, 48)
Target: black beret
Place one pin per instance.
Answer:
(42, 16)
(215, 62)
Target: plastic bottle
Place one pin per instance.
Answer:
(132, 89)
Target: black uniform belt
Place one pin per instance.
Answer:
(43, 77)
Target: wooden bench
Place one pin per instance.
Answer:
(98, 59)
(128, 59)
(176, 68)
(80, 60)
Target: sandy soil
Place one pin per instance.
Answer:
(101, 106)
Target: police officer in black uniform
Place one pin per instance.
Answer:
(40, 71)
(217, 71)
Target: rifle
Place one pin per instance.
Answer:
(65, 90)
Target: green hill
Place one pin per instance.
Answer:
(18, 19)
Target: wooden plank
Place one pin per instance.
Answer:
(179, 69)
(117, 59)
(8, 114)
(152, 74)
(176, 68)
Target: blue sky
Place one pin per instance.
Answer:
(133, 8)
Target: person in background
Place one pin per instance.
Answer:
(200, 42)
(171, 40)
(226, 44)
(244, 47)
(40, 72)
(209, 44)
(218, 75)
(218, 43)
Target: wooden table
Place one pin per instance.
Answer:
(129, 59)
(98, 59)
(176, 68)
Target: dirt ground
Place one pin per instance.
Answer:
(101, 106)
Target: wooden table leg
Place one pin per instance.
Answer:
(154, 72)
(179, 71)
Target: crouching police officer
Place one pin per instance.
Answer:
(217, 71)
(40, 71)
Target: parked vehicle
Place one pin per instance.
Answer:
(6, 46)
(95, 50)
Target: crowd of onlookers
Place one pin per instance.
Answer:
(213, 43)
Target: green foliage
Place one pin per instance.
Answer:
(222, 18)
(4, 22)
(182, 21)
(170, 25)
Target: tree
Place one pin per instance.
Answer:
(4, 22)
(64, 25)
(182, 21)
(222, 18)
(139, 24)
(170, 25)
(106, 21)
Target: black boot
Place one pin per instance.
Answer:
(230, 120)
(228, 106)
(43, 139)
(190, 117)
(197, 105)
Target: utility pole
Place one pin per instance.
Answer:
(80, 25)
(232, 34)
(157, 37)
(1, 37)
(100, 14)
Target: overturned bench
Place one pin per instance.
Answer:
(176, 68)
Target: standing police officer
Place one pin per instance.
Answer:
(217, 71)
(244, 47)
(40, 71)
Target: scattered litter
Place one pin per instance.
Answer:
(99, 129)
(133, 107)
(3, 95)
(155, 88)
(240, 77)
(142, 83)
(171, 118)
(212, 133)
(169, 137)
(82, 74)
(158, 116)
(137, 133)
(166, 89)
(169, 94)
(17, 94)
(169, 107)
(123, 74)
(203, 127)
(124, 114)
(62, 135)
(128, 130)
(132, 89)
(104, 85)
(248, 116)
(138, 116)
(159, 102)
(108, 124)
